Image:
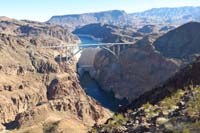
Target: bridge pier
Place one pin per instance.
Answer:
(124, 47)
(118, 52)
(66, 52)
(112, 48)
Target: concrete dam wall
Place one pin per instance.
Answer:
(86, 61)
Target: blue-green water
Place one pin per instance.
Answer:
(87, 40)
(93, 90)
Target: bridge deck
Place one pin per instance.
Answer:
(86, 45)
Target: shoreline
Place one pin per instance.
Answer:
(89, 36)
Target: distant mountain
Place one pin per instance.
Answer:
(179, 15)
(114, 17)
(150, 29)
(156, 16)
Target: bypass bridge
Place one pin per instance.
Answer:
(69, 51)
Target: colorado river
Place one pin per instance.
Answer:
(87, 40)
(92, 88)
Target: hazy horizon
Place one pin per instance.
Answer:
(42, 10)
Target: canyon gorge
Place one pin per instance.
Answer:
(144, 80)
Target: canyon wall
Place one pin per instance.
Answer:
(36, 92)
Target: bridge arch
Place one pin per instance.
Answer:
(72, 50)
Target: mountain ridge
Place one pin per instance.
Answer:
(115, 17)
(169, 15)
(164, 16)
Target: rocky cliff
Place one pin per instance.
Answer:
(147, 63)
(174, 106)
(136, 70)
(37, 94)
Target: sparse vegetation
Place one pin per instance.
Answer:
(179, 112)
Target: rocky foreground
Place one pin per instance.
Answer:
(172, 107)
(37, 94)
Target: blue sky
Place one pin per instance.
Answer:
(42, 10)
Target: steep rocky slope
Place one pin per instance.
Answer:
(181, 43)
(147, 63)
(138, 68)
(172, 107)
(38, 31)
(37, 94)
(113, 17)
(108, 33)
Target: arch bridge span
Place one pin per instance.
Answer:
(86, 53)
(71, 50)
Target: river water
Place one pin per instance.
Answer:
(87, 40)
(92, 88)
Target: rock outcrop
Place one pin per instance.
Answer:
(30, 99)
(39, 32)
(135, 71)
(147, 63)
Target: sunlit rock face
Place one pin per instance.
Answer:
(35, 90)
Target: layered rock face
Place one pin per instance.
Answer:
(147, 63)
(36, 92)
(113, 17)
(157, 16)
